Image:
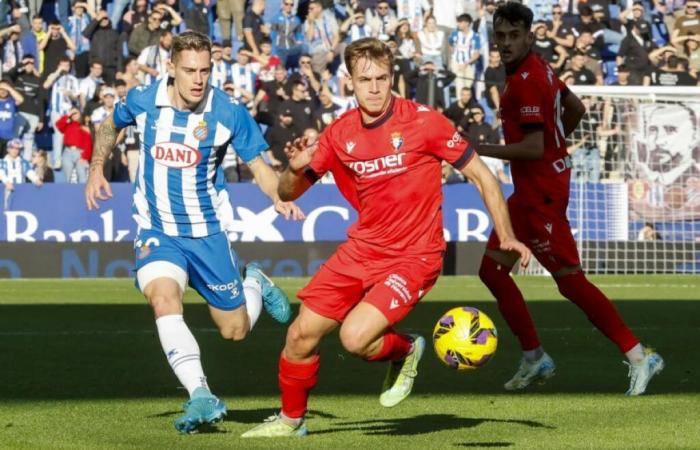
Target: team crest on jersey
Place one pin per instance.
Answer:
(396, 140)
(175, 155)
(201, 131)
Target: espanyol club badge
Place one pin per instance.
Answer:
(200, 132)
(396, 140)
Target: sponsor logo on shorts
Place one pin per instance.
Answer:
(548, 227)
(394, 304)
(175, 155)
(398, 284)
(525, 75)
(227, 287)
(144, 248)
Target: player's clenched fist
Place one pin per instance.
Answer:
(97, 187)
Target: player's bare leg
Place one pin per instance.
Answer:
(535, 365)
(182, 351)
(298, 373)
(643, 363)
(367, 333)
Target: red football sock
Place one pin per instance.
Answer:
(395, 346)
(296, 381)
(510, 300)
(600, 311)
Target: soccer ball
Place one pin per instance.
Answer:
(465, 338)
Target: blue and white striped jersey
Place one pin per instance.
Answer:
(220, 73)
(180, 188)
(60, 102)
(16, 170)
(464, 45)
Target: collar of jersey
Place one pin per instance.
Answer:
(162, 99)
(387, 114)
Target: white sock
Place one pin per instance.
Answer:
(182, 351)
(533, 355)
(253, 299)
(636, 354)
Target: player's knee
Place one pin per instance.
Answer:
(165, 304)
(234, 333)
(354, 341)
(299, 343)
(488, 272)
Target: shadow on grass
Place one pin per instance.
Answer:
(425, 423)
(248, 416)
(112, 351)
(485, 444)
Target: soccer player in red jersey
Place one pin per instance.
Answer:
(538, 112)
(386, 159)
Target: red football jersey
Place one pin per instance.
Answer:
(390, 172)
(532, 99)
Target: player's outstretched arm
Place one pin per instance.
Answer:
(293, 183)
(477, 172)
(573, 112)
(268, 182)
(97, 186)
(530, 148)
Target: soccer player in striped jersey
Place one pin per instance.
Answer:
(183, 211)
(538, 112)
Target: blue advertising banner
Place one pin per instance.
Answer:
(58, 213)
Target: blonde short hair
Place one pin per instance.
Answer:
(190, 40)
(370, 48)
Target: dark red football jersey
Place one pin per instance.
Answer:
(390, 172)
(532, 99)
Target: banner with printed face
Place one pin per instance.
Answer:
(665, 160)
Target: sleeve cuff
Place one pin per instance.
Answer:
(463, 160)
(310, 174)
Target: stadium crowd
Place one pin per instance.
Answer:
(64, 65)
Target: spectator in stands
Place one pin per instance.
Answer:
(88, 85)
(494, 80)
(406, 51)
(355, 27)
(130, 74)
(307, 75)
(243, 77)
(465, 51)
(265, 62)
(14, 169)
(105, 45)
(227, 10)
(321, 36)
(100, 114)
(461, 107)
(153, 60)
(432, 42)
(278, 135)
(587, 24)
(398, 81)
(227, 51)
(612, 28)
(28, 82)
(137, 14)
(300, 108)
(687, 24)
(659, 27)
(146, 34)
(10, 99)
(429, 83)
(220, 69)
(634, 52)
(254, 28)
(55, 45)
(286, 35)
(473, 127)
(542, 9)
(196, 16)
(271, 94)
(382, 20)
(691, 52)
(78, 145)
(171, 18)
(77, 23)
(39, 35)
(623, 76)
(41, 167)
(64, 92)
(12, 50)
(670, 71)
(412, 12)
(577, 69)
(327, 111)
(559, 31)
(547, 48)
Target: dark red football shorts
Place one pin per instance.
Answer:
(392, 284)
(546, 231)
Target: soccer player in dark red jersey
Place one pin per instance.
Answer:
(386, 159)
(538, 112)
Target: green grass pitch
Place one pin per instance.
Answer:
(81, 368)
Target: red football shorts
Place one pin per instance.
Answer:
(546, 231)
(392, 284)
